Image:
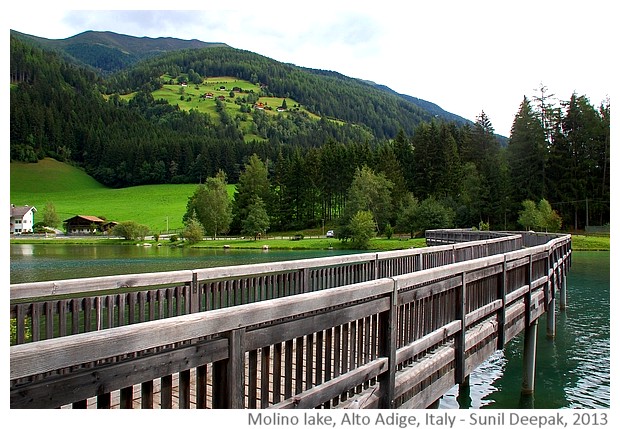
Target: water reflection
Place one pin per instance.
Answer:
(24, 250)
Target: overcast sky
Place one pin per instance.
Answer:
(465, 56)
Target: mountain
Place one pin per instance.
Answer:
(151, 121)
(109, 52)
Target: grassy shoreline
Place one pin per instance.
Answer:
(579, 243)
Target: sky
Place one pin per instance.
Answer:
(466, 57)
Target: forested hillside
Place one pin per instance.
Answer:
(108, 52)
(363, 137)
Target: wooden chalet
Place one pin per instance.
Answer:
(82, 224)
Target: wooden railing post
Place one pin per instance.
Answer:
(528, 296)
(501, 315)
(305, 280)
(461, 313)
(229, 374)
(387, 348)
(550, 294)
(375, 267)
(194, 295)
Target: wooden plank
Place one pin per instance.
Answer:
(252, 379)
(146, 396)
(166, 392)
(60, 288)
(437, 286)
(317, 395)
(517, 294)
(431, 393)
(483, 312)
(288, 369)
(299, 370)
(277, 372)
(127, 397)
(432, 274)
(184, 388)
(420, 370)
(428, 341)
(264, 376)
(201, 386)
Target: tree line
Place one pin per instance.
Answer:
(423, 171)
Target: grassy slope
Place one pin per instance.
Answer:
(73, 192)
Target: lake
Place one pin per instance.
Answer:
(572, 370)
(40, 262)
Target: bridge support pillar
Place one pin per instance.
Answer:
(464, 396)
(551, 319)
(563, 293)
(529, 358)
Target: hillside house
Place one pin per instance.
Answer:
(81, 224)
(22, 219)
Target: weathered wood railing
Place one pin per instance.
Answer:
(50, 309)
(396, 341)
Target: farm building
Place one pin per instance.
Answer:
(81, 224)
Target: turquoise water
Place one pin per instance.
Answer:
(572, 369)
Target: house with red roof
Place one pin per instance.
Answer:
(82, 224)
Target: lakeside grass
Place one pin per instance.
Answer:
(377, 244)
(579, 243)
(590, 242)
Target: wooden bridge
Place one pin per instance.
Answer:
(370, 330)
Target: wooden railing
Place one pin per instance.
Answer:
(398, 340)
(51, 309)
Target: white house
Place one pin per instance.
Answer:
(22, 219)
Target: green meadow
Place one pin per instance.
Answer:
(73, 192)
(191, 97)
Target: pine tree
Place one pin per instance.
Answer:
(526, 155)
(253, 183)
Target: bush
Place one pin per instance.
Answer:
(130, 230)
(362, 228)
(389, 231)
(193, 232)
